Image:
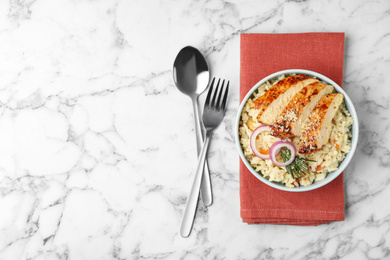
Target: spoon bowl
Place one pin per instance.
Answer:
(190, 72)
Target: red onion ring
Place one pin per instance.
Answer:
(276, 147)
(255, 133)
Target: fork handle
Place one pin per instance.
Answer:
(205, 191)
(192, 200)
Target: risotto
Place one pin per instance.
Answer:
(324, 160)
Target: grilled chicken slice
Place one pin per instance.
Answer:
(318, 125)
(272, 103)
(289, 123)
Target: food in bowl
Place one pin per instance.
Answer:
(294, 130)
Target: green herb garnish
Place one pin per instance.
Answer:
(298, 167)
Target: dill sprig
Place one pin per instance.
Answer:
(298, 167)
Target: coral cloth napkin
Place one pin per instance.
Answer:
(262, 55)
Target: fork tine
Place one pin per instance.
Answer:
(207, 102)
(213, 105)
(223, 106)
(218, 104)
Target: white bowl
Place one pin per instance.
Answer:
(331, 175)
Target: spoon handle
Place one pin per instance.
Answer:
(192, 200)
(205, 190)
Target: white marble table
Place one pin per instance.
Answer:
(97, 146)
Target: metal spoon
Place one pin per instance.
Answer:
(191, 76)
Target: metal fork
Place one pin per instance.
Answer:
(213, 113)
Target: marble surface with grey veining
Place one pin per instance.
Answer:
(97, 146)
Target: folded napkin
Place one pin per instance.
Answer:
(262, 55)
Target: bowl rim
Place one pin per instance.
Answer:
(331, 175)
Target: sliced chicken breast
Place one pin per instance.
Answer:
(272, 103)
(289, 123)
(318, 124)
